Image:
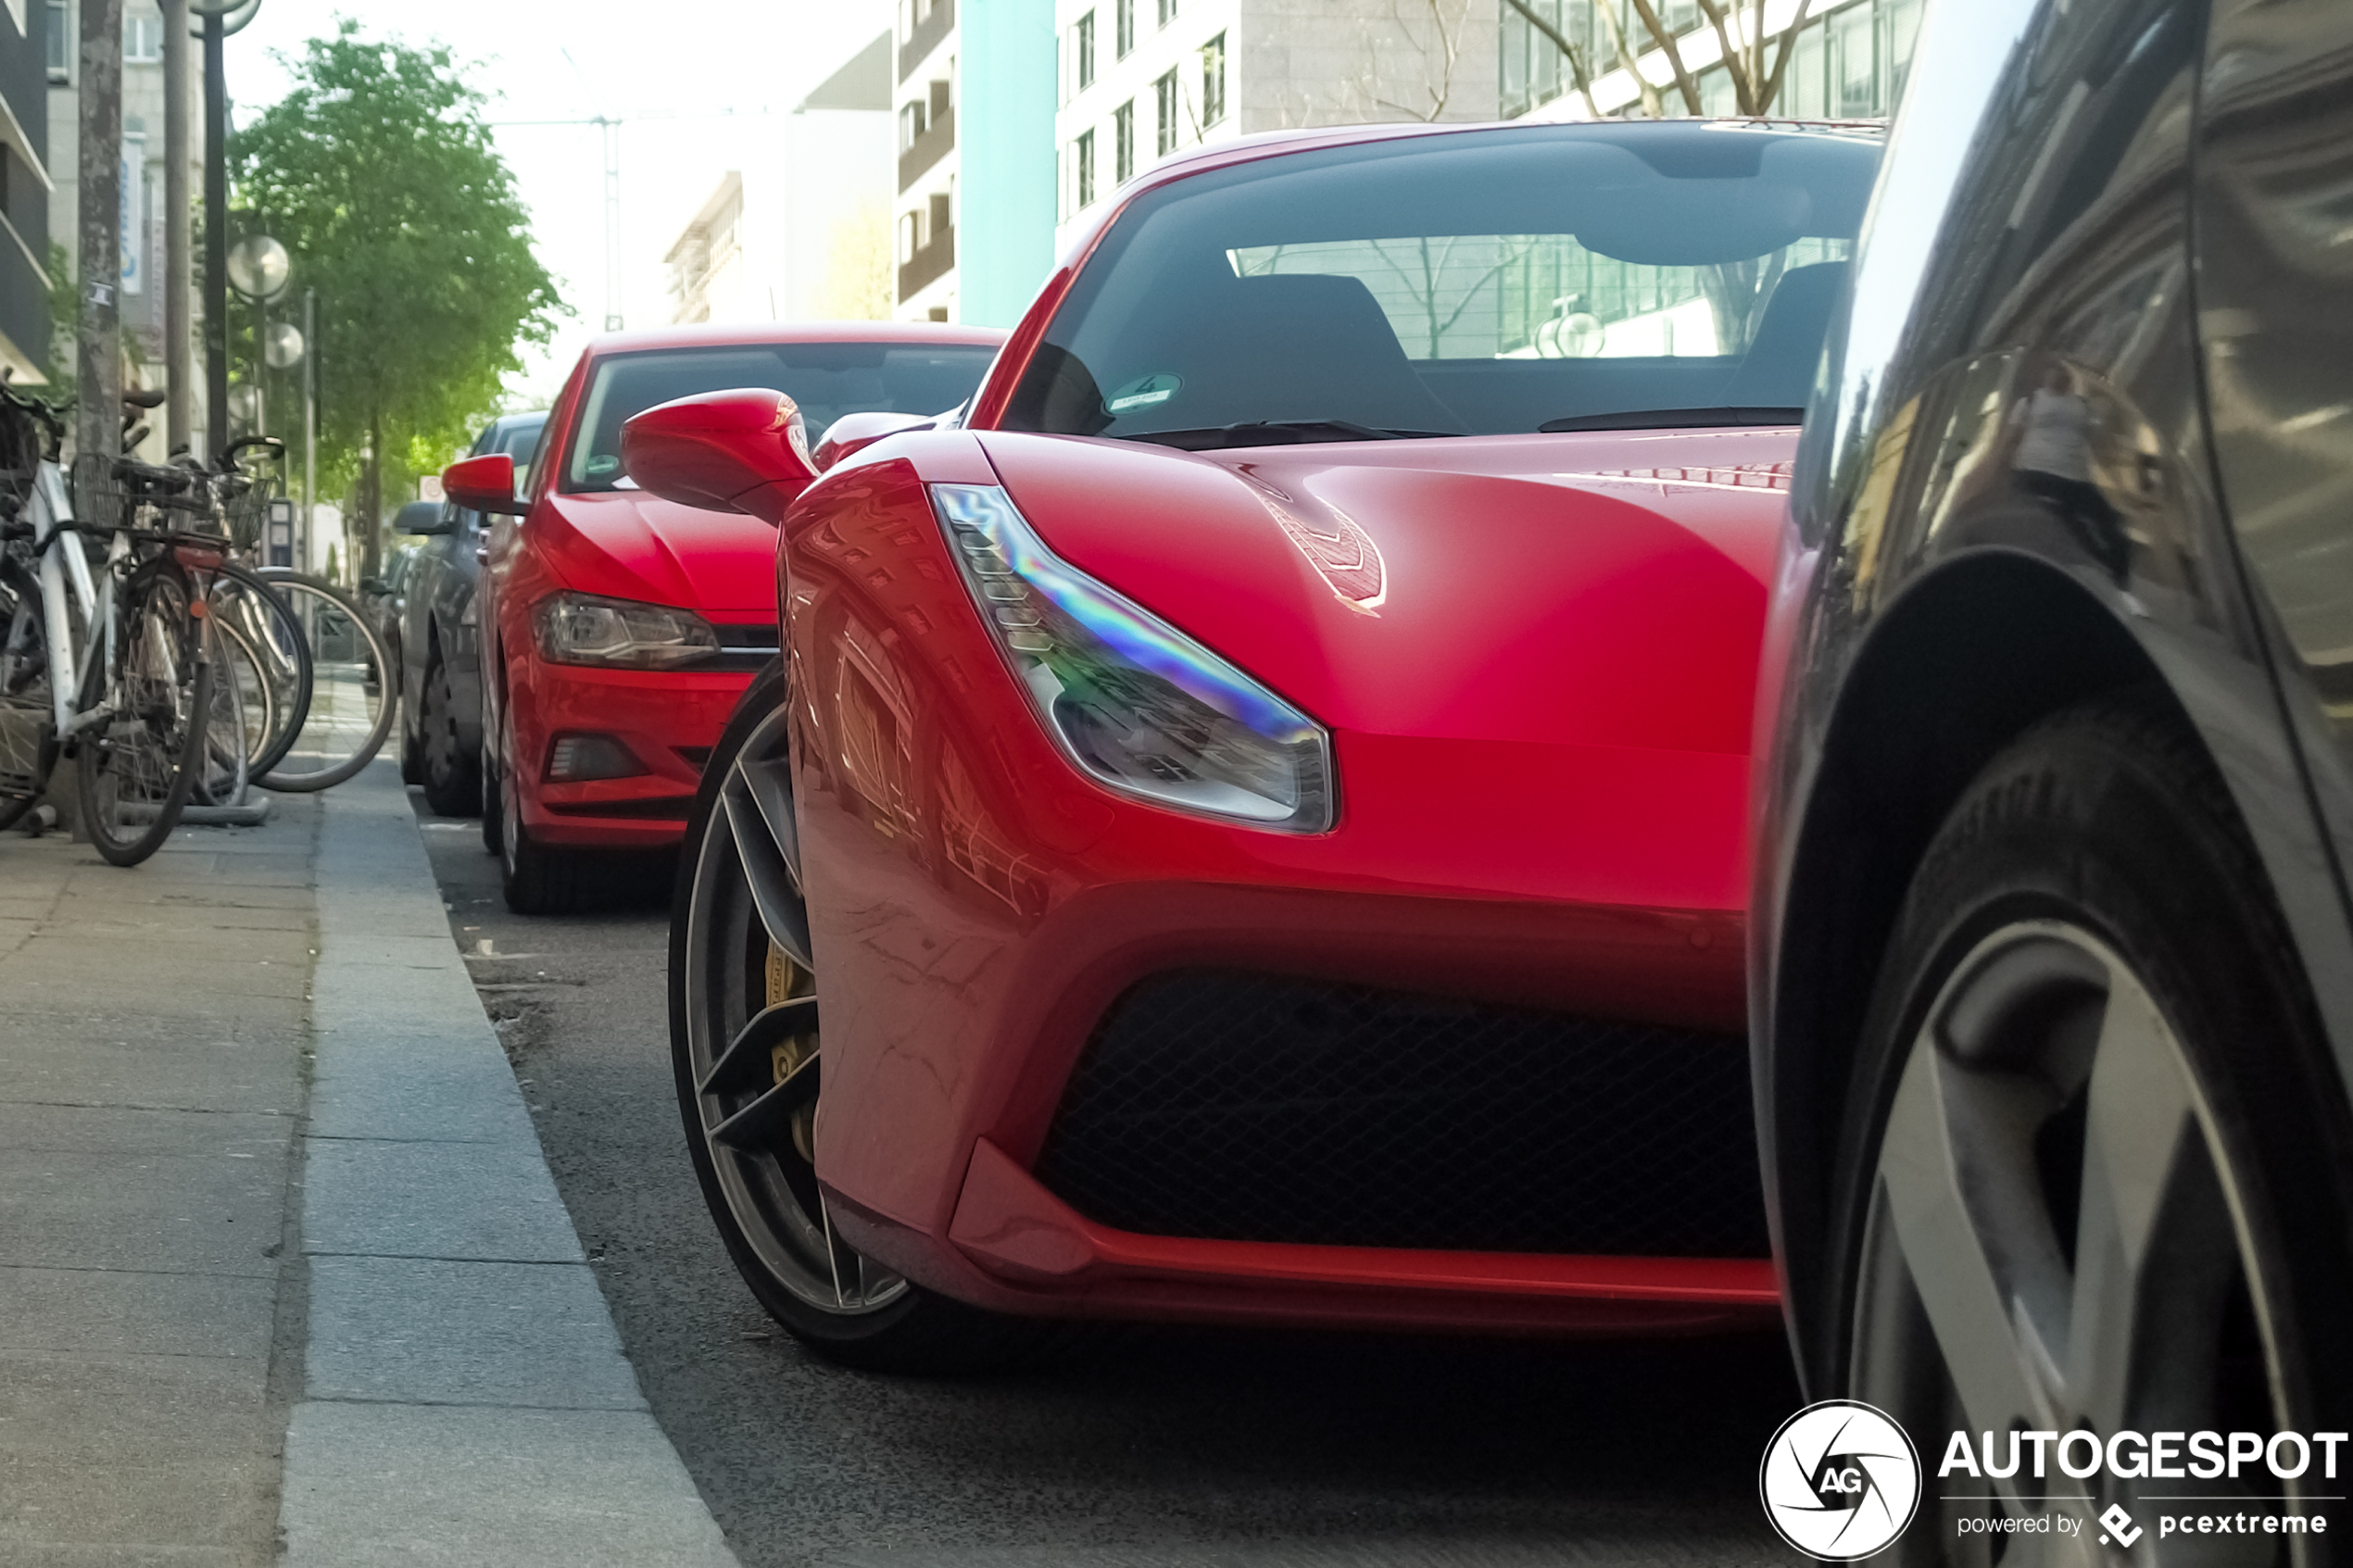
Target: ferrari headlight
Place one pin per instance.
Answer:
(1132, 700)
(621, 633)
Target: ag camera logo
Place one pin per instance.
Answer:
(1840, 1480)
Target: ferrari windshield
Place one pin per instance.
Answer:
(1478, 282)
(826, 380)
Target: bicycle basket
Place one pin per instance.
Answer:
(245, 507)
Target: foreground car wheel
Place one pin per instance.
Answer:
(745, 1043)
(2097, 1195)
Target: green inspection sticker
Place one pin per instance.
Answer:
(1146, 392)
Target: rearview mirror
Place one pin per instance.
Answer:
(484, 484)
(744, 450)
(420, 517)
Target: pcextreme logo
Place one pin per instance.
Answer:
(1840, 1480)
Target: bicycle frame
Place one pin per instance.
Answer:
(66, 583)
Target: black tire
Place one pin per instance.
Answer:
(536, 879)
(2093, 1082)
(451, 775)
(733, 980)
(373, 667)
(413, 756)
(135, 771)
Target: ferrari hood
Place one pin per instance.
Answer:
(633, 545)
(1602, 589)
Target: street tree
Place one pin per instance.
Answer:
(378, 172)
(1739, 26)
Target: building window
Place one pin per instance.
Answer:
(1123, 143)
(1212, 80)
(1082, 40)
(1083, 168)
(60, 42)
(141, 37)
(1167, 12)
(1165, 94)
(912, 124)
(1123, 29)
(910, 236)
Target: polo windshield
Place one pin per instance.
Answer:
(826, 380)
(1474, 283)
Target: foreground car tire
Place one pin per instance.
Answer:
(451, 773)
(745, 1045)
(2089, 1183)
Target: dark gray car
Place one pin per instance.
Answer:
(2052, 946)
(440, 669)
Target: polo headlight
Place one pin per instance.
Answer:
(621, 633)
(1134, 702)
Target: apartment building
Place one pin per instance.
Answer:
(1141, 78)
(801, 232)
(25, 49)
(1850, 62)
(973, 222)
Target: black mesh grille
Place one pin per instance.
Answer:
(1256, 1107)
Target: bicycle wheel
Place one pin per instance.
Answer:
(28, 714)
(138, 764)
(242, 600)
(242, 715)
(351, 692)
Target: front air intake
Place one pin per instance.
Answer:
(1245, 1107)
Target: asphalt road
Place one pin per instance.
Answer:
(1147, 1448)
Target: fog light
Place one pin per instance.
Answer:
(574, 758)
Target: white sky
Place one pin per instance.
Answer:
(670, 70)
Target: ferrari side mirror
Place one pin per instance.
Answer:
(744, 450)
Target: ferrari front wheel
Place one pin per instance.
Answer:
(746, 1047)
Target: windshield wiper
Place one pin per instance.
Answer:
(1274, 432)
(1673, 419)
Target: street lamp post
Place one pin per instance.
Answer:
(222, 17)
(258, 267)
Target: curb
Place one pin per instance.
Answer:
(465, 1396)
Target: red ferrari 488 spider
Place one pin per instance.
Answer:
(1258, 801)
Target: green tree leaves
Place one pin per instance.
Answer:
(378, 172)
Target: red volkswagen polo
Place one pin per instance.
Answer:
(1259, 803)
(619, 629)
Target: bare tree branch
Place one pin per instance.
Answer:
(1576, 71)
(1744, 87)
(1780, 60)
(1608, 11)
(1668, 41)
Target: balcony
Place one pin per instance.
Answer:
(926, 36)
(936, 141)
(928, 264)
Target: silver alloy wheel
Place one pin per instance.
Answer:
(752, 1035)
(2056, 1239)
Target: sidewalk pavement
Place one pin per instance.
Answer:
(280, 1263)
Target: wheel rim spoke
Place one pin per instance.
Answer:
(748, 1058)
(767, 1120)
(1995, 1302)
(2142, 1162)
(775, 892)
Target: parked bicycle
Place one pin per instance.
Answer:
(106, 656)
